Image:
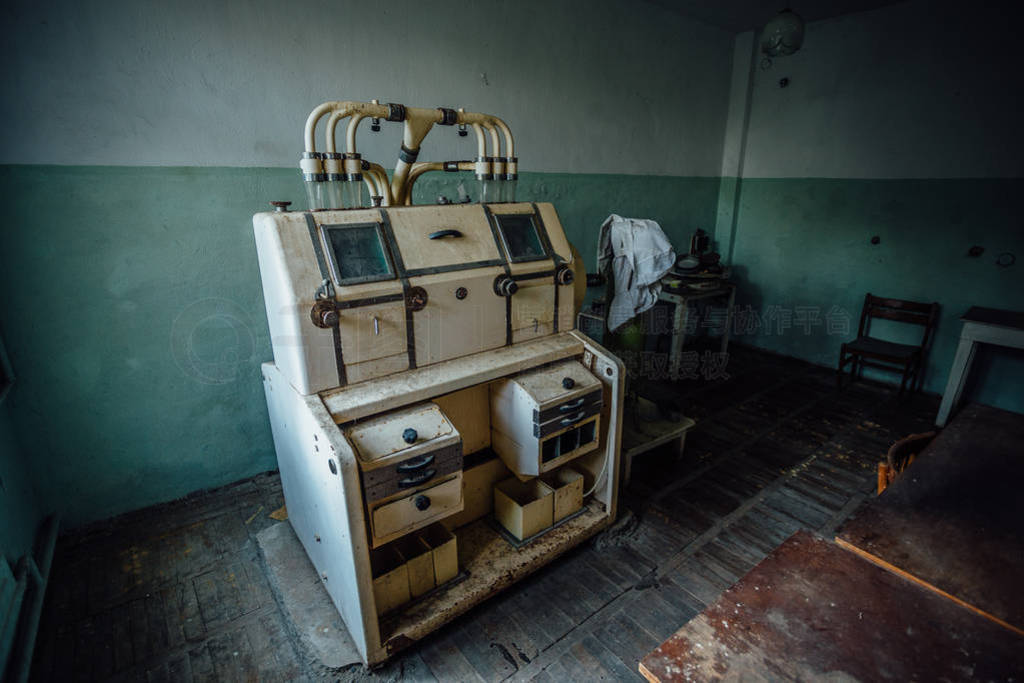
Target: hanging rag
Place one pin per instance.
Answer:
(636, 254)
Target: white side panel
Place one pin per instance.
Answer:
(330, 526)
(288, 267)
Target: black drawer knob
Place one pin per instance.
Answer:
(409, 435)
(421, 502)
(568, 383)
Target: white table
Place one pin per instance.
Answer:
(981, 326)
(682, 297)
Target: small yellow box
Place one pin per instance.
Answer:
(390, 578)
(524, 508)
(420, 562)
(567, 484)
(444, 551)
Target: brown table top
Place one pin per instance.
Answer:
(955, 518)
(814, 611)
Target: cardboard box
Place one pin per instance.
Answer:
(443, 550)
(390, 579)
(524, 508)
(567, 484)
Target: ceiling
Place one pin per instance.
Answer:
(743, 15)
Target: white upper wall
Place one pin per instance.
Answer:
(916, 90)
(588, 87)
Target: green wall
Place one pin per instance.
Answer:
(806, 242)
(19, 510)
(134, 316)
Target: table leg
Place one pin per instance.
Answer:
(728, 320)
(957, 379)
(678, 335)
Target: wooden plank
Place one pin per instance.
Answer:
(780, 623)
(955, 519)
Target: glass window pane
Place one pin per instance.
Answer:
(521, 238)
(358, 253)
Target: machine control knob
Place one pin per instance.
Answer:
(564, 275)
(329, 318)
(324, 314)
(505, 286)
(280, 206)
(409, 435)
(421, 502)
(568, 383)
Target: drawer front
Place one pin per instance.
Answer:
(411, 473)
(567, 408)
(386, 435)
(405, 515)
(571, 419)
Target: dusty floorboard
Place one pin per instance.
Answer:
(178, 592)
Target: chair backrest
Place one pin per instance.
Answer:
(900, 310)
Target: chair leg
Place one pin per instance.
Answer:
(839, 370)
(903, 381)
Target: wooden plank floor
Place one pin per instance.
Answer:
(178, 591)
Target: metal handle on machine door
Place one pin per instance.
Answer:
(572, 406)
(445, 233)
(409, 482)
(413, 465)
(421, 502)
(573, 420)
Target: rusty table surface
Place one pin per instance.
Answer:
(954, 520)
(814, 611)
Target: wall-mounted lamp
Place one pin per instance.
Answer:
(783, 35)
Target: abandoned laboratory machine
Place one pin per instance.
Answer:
(441, 428)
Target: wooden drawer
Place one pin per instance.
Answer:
(419, 508)
(411, 473)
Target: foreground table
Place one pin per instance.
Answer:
(814, 611)
(954, 521)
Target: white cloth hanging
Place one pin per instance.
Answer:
(637, 254)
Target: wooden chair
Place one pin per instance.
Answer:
(872, 352)
(901, 454)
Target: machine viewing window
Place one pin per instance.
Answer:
(522, 240)
(357, 253)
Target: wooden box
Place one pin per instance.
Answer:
(567, 484)
(443, 550)
(390, 579)
(419, 560)
(525, 508)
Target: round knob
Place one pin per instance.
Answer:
(280, 206)
(421, 502)
(409, 435)
(505, 286)
(329, 318)
(568, 383)
(564, 275)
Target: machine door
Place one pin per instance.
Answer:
(447, 237)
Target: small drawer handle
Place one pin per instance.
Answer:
(445, 233)
(409, 482)
(421, 502)
(573, 420)
(415, 464)
(572, 406)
